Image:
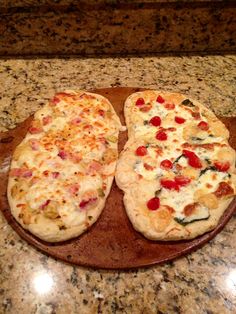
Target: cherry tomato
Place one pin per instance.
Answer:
(160, 99)
(169, 184)
(153, 203)
(179, 120)
(182, 181)
(222, 166)
(155, 121)
(203, 125)
(140, 102)
(193, 160)
(161, 136)
(166, 164)
(169, 106)
(141, 151)
(147, 166)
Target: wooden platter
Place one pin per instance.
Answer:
(111, 242)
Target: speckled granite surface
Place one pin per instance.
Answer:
(111, 27)
(203, 282)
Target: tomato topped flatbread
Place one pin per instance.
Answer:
(177, 169)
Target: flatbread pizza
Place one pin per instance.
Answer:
(177, 169)
(62, 171)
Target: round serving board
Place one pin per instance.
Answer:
(111, 242)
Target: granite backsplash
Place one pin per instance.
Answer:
(116, 27)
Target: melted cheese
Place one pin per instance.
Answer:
(175, 199)
(211, 178)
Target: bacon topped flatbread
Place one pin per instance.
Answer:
(61, 173)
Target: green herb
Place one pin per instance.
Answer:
(212, 168)
(187, 103)
(183, 222)
(208, 161)
(180, 221)
(101, 192)
(157, 193)
(198, 139)
(63, 227)
(112, 138)
(178, 158)
(145, 122)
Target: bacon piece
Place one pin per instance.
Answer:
(44, 204)
(34, 143)
(223, 190)
(35, 130)
(75, 121)
(20, 172)
(47, 120)
(73, 188)
(94, 167)
(84, 203)
(55, 174)
(62, 154)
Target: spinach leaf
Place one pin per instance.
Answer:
(184, 223)
(187, 103)
(212, 168)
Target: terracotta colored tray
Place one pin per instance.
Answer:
(111, 242)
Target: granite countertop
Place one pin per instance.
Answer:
(203, 282)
